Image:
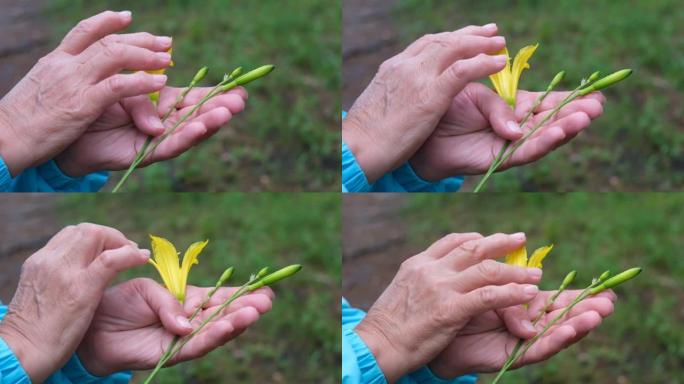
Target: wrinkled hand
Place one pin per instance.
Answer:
(136, 321)
(412, 91)
(58, 292)
(71, 87)
(488, 339)
(435, 295)
(112, 142)
(477, 125)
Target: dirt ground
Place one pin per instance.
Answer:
(374, 243)
(369, 37)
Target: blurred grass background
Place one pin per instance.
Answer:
(642, 342)
(638, 144)
(287, 138)
(298, 341)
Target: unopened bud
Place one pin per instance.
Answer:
(262, 273)
(616, 280)
(606, 81)
(276, 276)
(200, 75)
(604, 276)
(225, 276)
(569, 278)
(594, 76)
(556, 80)
(237, 72)
(255, 74)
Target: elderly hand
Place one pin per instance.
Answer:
(435, 295)
(478, 124)
(487, 341)
(412, 91)
(59, 289)
(137, 320)
(113, 141)
(72, 86)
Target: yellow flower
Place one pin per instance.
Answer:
(155, 95)
(165, 259)
(506, 81)
(519, 257)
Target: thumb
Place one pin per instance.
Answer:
(144, 114)
(112, 261)
(518, 322)
(494, 297)
(166, 306)
(500, 115)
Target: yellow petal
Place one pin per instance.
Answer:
(538, 255)
(520, 63)
(166, 258)
(517, 257)
(190, 259)
(501, 79)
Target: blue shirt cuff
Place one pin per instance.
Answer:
(75, 372)
(353, 177)
(60, 181)
(11, 371)
(367, 365)
(425, 376)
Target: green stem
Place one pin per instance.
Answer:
(497, 161)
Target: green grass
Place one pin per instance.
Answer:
(637, 145)
(642, 341)
(288, 137)
(299, 340)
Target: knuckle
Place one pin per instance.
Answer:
(487, 296)
(490, 270)
(458, 71)
(85, 27)
(473, 248)
(115, 84)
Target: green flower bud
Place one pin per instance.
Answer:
(237, 72)
(616, 280)
(568, 279)
(262, 272)
(201, 74)
(276, 276)
(254, 74)
(594, 76)
(604, 276)
(607, 81)
(225, 276)
(556, 80)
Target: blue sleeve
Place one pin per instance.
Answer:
(11, 371)
(402, 179)
(49, 178)
(360, 367)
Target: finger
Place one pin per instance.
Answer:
(479, 30)
(109, 59)
(592, 107)
(494, 297)
(169, 96)
(601, 305)
(500, 115)
(460, 47)
(446, 244)
(259, 301)
(232, 101)
(99, 236)
(113, 261)
(517, 321)
(527, 99)
(144, 114)
(165, 306)
(180, 141)
(196, 95)
(451, 38)
(549, 345)
(117, 87)
(142, 40)
(458, 75)
(491, 247)
(218, 333)
(90, 30)
(490, 272)
(224, 294)
(536, 147)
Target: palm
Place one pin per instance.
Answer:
(486, 342)
(465, 143)
(127, 332)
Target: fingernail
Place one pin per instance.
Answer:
(528, 326)
(534, 272)
(159, 79)
(164, 40)
(183, 322)
(126, 14)
(500, 59)
(518, 236)
(499, 39)
(513, 127)
(146, 253)
(530, 290)
(163, 56)
(155, 124)
(490, 26)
